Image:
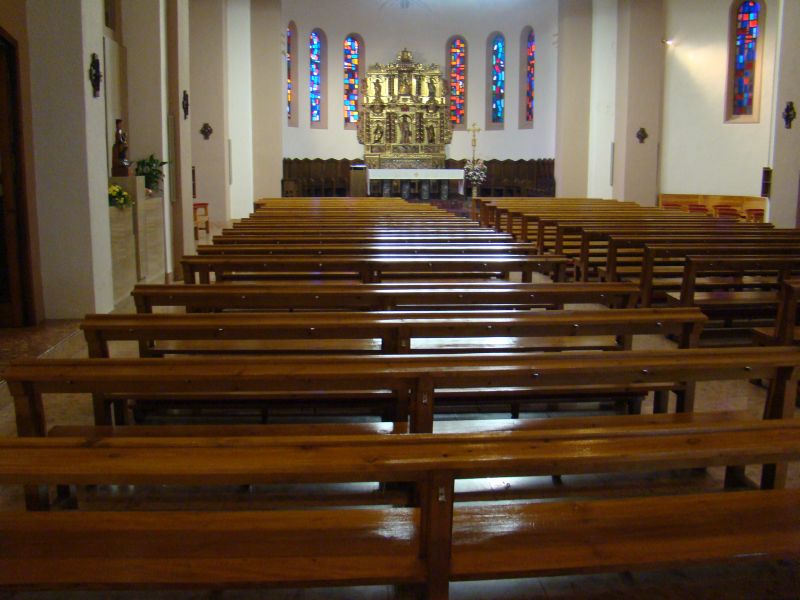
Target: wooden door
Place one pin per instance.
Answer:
(11, 290)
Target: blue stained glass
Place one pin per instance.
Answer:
(458, 58)
(530, 75)
(352, 55)
(498, 76)
(315, 76)
(744, 66)
(289, 73)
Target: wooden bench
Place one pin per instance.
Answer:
(416, 384)
(427, 544)
(230, 237)
(398, 332)
(198, 269)
(366, 249)
(384, 296)
(785, 332)
(663, 264)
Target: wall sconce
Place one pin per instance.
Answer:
(669, 42)
(206, 131)
(789, 114)
(642, 135)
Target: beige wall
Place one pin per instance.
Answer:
(574, 91)
(178, 60)
(269, 109)
(640, 72)
(70, 157)
(13, 20)
(208, 81)
(786, 142)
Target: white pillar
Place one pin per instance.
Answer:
(786, 142)
(209, 105)
(269, 96)
(574, 89)
(145, 39)
(640, 76)
(70, 157)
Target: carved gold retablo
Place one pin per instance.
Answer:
(404, 118)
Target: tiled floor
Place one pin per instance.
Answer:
(774, 580)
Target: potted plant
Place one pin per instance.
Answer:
(151, 168)
(118, 198)
(475, 174)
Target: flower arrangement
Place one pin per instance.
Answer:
(151, 169)
(475, 172)
(118, 197)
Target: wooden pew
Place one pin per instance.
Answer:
(722, 303)
(385, 296)
(229, 237)
(398, 332)
(417, 382)
(365, 249)
(427, 544)
(662, 265)
(785, 332)
(198, 269)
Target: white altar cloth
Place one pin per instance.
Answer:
(421, 174)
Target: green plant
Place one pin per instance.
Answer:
(118, 197)
(151, 169)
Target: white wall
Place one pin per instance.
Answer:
(786, 142)
(207, 33)
(240, 108)
(700, 152)
(602, 98)
(144, 38)
(269, 100)
(70, 157)
(424, 29)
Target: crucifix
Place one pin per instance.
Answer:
(474, 130)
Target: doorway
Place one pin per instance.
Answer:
(16, 307)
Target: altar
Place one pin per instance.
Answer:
(424, 176)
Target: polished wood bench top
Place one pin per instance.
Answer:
(225, 461)
(353, 238)
(385, 296)
(366, 249)
(550, 329)
(368, 268)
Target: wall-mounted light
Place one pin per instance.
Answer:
(669, 42)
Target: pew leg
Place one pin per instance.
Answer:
(660, 402)
(515, 410)
(436, 535)
(67, 497)
(37, 497)
(635, 405)
(735, 477)
(120, 412)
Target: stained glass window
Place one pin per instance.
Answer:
(315, 76)
(744, 68)
(530, 75)
(352, 59)
(289, 72)
(498, 74)
(458, 71)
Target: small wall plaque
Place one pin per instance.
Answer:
(95, 76)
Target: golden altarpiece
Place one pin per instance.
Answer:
(405, 121)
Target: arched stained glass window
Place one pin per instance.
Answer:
(353, 59)
(315, 75)
(746, 41)
(457, 61)
(747, 31)
(497, 72)
(290, 40)
(530, 74)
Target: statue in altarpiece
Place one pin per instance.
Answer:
(404, 118)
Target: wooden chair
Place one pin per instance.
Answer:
(200, 216)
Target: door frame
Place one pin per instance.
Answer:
(26, 312)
